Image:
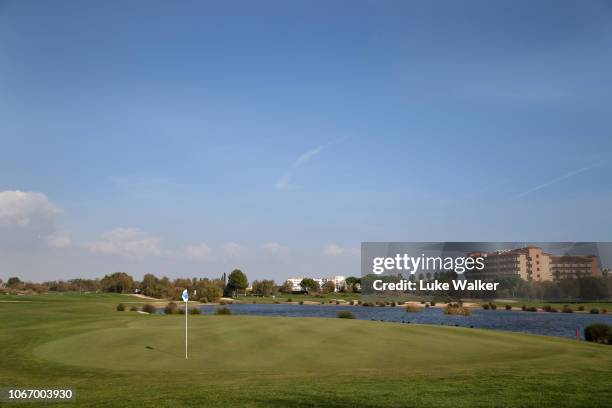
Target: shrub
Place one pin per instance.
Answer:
(546, 308)
(170, 308)
(393, 304)
(486, 306)
(133, 308)
(322, 302)
(426, 304)
(594, 311)
(195, 311)
(598, 333)
(567, 309)
(422, 302)
(301, 302)
(581, 308)
(276, 302)
(523, 308)
(456, 309)
(181, 311)
(532, 309)
(604, 311)
(432, 303)
(120, 307)
(223, 311)
(413, 308)
(148, 308)
(345, 314)
(289, 300)
(222, 302)
(493, 306)
(359, 302)
(508, 307)
(337, 302)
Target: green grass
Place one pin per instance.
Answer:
(127, 359)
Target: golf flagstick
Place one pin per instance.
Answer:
(186, 299)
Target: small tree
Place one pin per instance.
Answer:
(287, 287)
(328, 287)
(13, 281)
(235, 281)
(310, 285)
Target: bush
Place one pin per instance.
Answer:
(345, 314)
(426, 304)
(532, 309)
(523, 308)
(508, 307)
(301, 302)
(432, 303)
(581, 308)
(133, 308)
(598, 333)
(195, 311)
(181, 311)
(289, 300)
(422, 302)
(594, 311)
(456, 309)
(567, 309)
(222, 302)
(486, 306)
(223, 311)
(546, 308)
(337, 302)
(170, 308)
(148, 308)
(604, 311)
(413, 308)
(120, 307)
(493, 306)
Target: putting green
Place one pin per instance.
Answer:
(249, 343)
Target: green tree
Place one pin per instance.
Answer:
(353, 284)
(263, 288)
(118, 282)
(287, 287)
(13, 281)
(328, 287)
(310, 285)
(236, 280)
(150, 286)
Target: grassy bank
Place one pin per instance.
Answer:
(126, 359)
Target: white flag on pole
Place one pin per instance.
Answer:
(185, 295)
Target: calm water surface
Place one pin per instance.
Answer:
(549, 324)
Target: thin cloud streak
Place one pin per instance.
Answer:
(555, 180)
(284, 182)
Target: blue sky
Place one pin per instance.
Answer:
(275, 136)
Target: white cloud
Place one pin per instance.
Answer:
(20, 208)
(333, 250)
(198, 252)
(275, 248)
(27, 220)
(232, 249)
(59, 240)
(128, 242)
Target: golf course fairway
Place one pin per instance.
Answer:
(128, 359)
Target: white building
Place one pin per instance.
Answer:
(339, 282)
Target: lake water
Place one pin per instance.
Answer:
(549, 324)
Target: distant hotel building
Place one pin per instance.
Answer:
(533, 264)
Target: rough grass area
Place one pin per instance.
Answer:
(80, 341)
